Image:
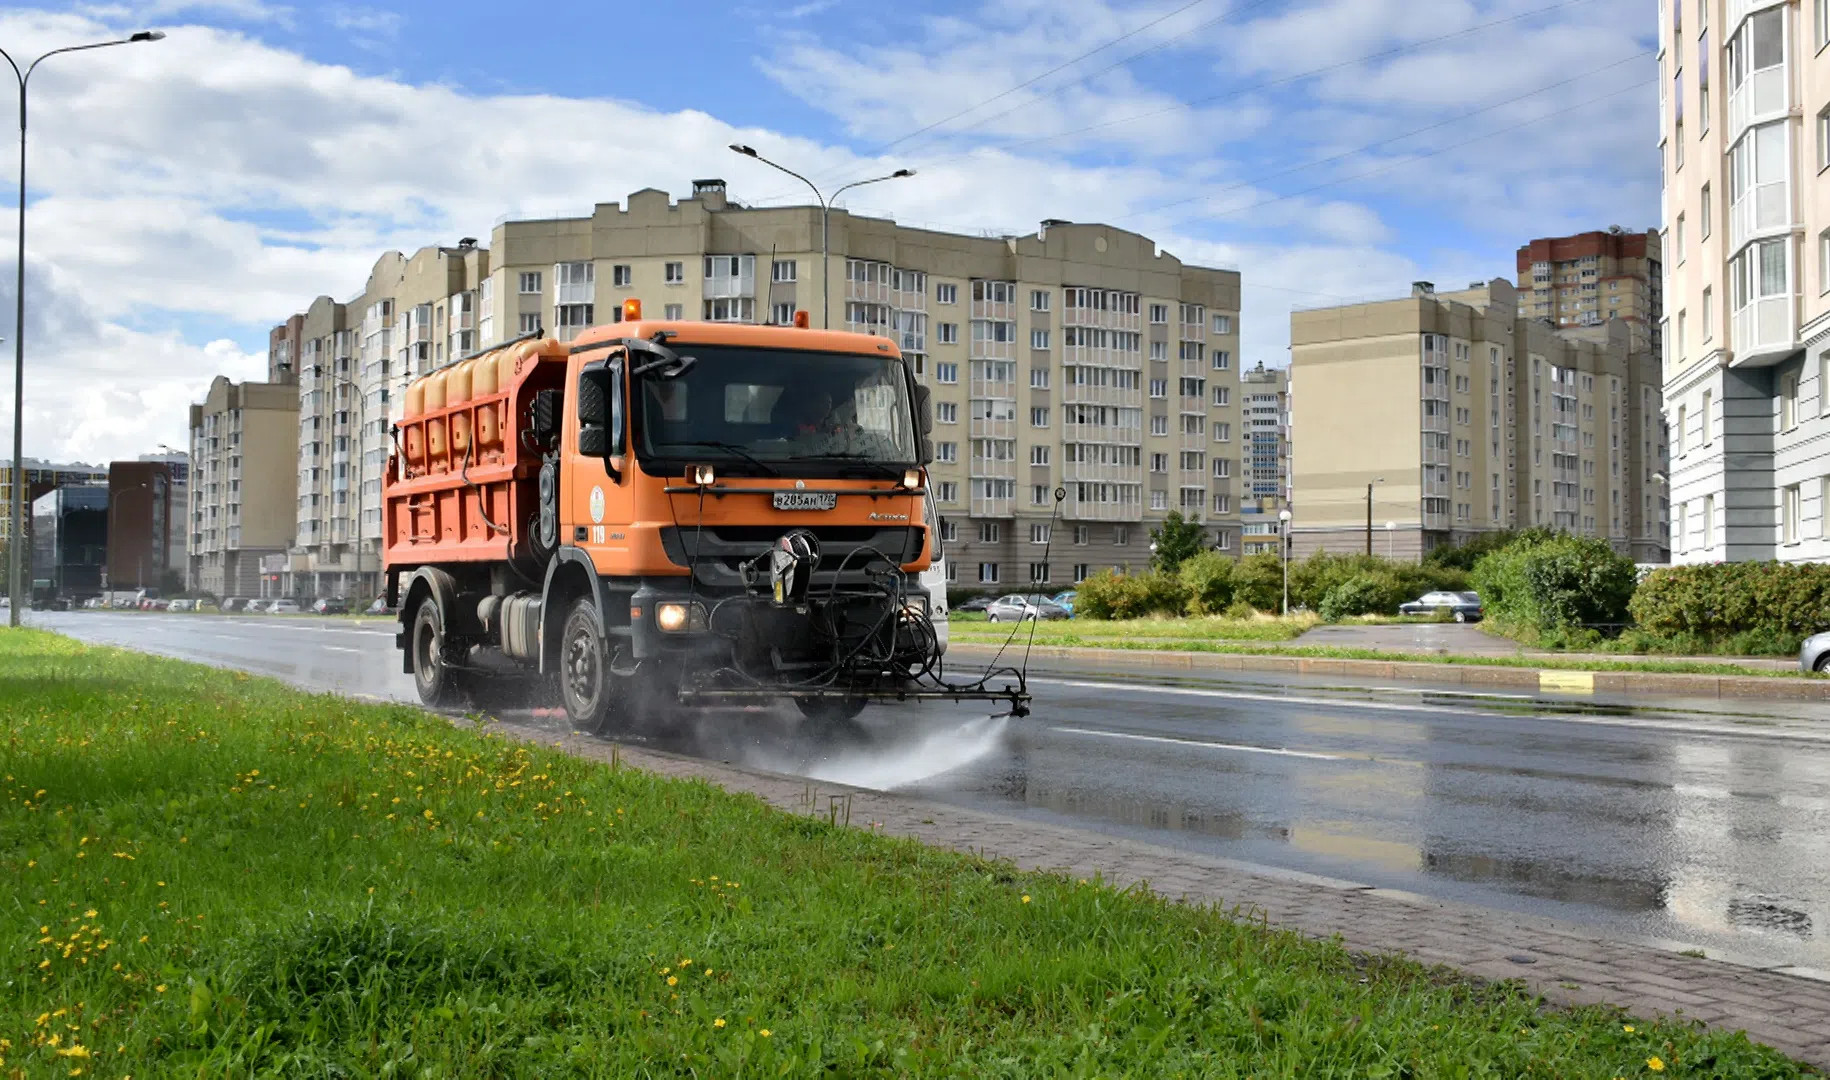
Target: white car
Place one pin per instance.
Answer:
(284, 607)
(934, 579)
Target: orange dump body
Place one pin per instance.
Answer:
(460, 487)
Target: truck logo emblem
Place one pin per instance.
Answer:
(597, 504)
(889, 517)
(800, 485)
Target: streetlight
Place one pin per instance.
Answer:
(1369, 487)
(825, 215)
(1285, 540)
(15, 571)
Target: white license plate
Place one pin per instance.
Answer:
(806, 500)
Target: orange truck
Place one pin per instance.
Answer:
(661, 515)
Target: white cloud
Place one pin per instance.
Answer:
(368, 28)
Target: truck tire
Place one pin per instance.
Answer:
(439, 684)
(588, 690)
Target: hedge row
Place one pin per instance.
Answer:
(1776, 605)
(1212, 583)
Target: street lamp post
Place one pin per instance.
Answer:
(825, 221)
(1369, 487)
(1284, 542)
(15, 571)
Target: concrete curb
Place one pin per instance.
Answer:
(1767, 688)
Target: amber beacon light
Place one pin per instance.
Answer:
(632, 310)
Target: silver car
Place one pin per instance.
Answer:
(1814, 655)
(1017, 608)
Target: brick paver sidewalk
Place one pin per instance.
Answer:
(1565, 963)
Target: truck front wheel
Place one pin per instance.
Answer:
(433, 674)
(585, 682)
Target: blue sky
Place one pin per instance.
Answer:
(186, 195)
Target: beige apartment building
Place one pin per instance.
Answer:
(243, 457)
(1077, 356)
(1439, 416)
(1589, 278)
(1744, 138)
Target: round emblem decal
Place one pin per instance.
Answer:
(799, 484)
(597, 505)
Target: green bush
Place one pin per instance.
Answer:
(1106, 595)
(1315, 577)
(1208, 577)
(1362, 594)
(1176, 540)
(1239, 609)
(1542, 582)
(1463, 556)
(1258, 580)
(1744, 607)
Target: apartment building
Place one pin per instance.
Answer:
(244, 453)
(69, 537)
(1264, 415)
(40, 477)
(1589, 278)
(1076, 357)
(1451, 414)
(1744, 129)
(144, 498)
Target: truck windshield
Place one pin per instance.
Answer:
(779, 407)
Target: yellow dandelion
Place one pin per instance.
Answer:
(1026, 898)
(159, 989)
(764, 1033)
(708, 971)
(718, 1023)
(90, 914)
(1656, 1064)
(673, 980)
(1628, 1028)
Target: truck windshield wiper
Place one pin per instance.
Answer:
(733, 448)
(871, 461)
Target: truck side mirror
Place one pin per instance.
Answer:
(924, 410)
(600, 413)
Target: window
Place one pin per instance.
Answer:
(946, 333)
(1080, 572)
(988, 573)
(1038, 418)
(571, 318)
(1159, 463)
(946, 451)
(1038, 534)
(1823, 383)
(1821, 18)
(1707, 212)
(1680, 527)
(1038, 455)
(1709, 522)
(1223, 324)
(1038, 300)
(946, 294)
(1038, 339)
(530, 281)
(735, 309)
(1223, 504)
(1121, 535)
(1788, 402)
(621, 275)
(782, 314)
(1223, 433)
(1683, 330)
(1790, 509)
(946, 373)
(1159, 314)
(1223, 360)
(783, 270)
(949, 493)
(1709, 314)
(1159, 500)
(674, 312)
(1823, 262)
(1038, 378)
(1680, 239)
(1223, 395)
(1080, 535)
(988, 532)
(675, 273)
(1159, 350)
(1159, 388)
(946, 412)
(1703, 417)
(1223, 540)
(1223, 468)
(1823, 509)
(530, 322)
(1677, 429)
(1159, 425)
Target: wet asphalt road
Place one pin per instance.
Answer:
(1696, 821)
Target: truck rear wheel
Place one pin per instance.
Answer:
(586, 685)
(438, 682)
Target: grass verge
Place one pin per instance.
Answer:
(1155, 629)
(216, 875)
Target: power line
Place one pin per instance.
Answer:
(1266, 84)
(1398, 138)
(1031, 82)
(1387, 167)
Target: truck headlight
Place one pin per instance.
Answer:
(914, 608)
(675, 616)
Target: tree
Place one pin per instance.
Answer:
(1177, 540)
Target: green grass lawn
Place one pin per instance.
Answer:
(218, 876)
(1098, 631)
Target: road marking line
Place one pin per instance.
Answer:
(340, 648)
(1274, 751)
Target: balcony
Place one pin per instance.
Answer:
(1101, 433)
(1436, 423)
(909, 299)
(1766, 209)
(1194, 331)
(987, 428)
(1075, 510)
(1194, 440)
(867, 292)
(1082, 394)
(1764, 332)
(992, 389)
(987, 507)
(1107, 317)
(1189, 479)
(1102, 473)
(1192, 406)
(984, 468)
(1000, 310)
(880, 329)
(1194, 368)
(987, 349)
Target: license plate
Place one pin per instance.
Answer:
(806, 500)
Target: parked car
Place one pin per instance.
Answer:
(1462, 606)
(1066, 599)
(183, 605)
(1814, 655)
(255, 607)
(379, 606)
(331, 605)
(284, 607)
(977, 603)
(1017, 608)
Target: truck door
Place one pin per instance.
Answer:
(593, 497)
